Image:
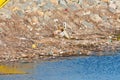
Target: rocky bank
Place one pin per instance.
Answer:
(40, 29)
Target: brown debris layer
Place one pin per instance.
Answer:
(31, 38)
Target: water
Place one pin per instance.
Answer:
(79, 68)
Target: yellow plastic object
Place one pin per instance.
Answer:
(3, 2)
(34, 46)
(9, 70)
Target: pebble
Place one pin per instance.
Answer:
(40, 13)
(112, 7)
(96, 18)
(35, 20)
(62, 2)
(47, 15)
(23, 55)
(20, 13)
(87, 24)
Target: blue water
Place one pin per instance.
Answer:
(79, 68)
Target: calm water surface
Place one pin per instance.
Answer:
(79, 68)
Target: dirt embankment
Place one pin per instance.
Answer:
(59, 32)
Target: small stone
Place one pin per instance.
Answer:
(47, 15)
(42, 54)
(40, 13)
(55, 55)
(30, 27)
(55, 2)
(80, 2)
(87, 24)
(62, 2)
(87, 13)
(118, 6)
(90, 2)
(35, 20)
(24, 55)
(20, 13)
(113, 6)
(96, 18)
(51, 53)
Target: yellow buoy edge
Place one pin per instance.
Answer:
(3, 2)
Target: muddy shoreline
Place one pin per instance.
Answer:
(105, 49)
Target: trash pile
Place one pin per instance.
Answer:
(40, 29)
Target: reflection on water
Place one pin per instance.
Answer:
(10, 70)
(16, 68)
(17, 71)
(80, 68)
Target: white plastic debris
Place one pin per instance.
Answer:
(56, 20)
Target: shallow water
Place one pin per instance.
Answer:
(77, 68)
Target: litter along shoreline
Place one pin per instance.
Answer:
(105, 49)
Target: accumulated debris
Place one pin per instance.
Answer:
(40, 29)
